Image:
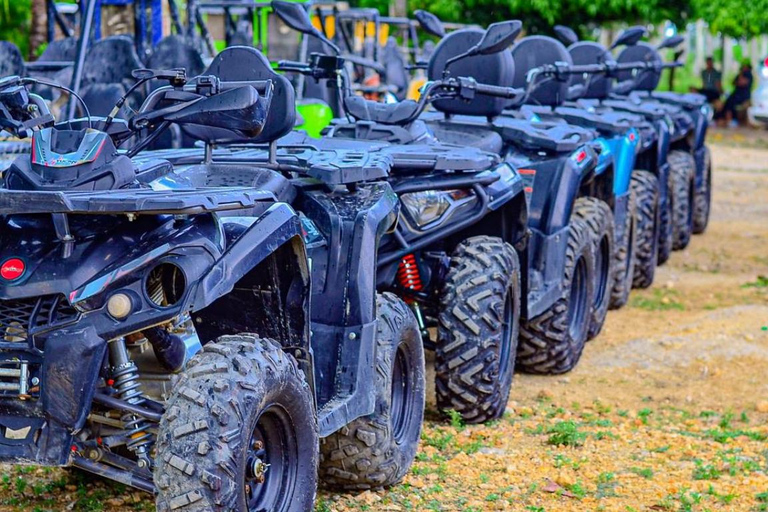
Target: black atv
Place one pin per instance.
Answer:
(558, 263)
(186, 332)
(446, 234)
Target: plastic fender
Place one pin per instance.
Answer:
(344, 297)
(552, 186)
(662, 148)
(276, 226)
(73, 358)
(575, 172)
(606, 157)
(624, 151)
(701, 116)
(701, 171)
(508, 186)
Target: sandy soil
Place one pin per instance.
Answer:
(667, 410)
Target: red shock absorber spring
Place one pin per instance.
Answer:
(408, 273)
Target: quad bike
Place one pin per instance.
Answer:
(558, 262)
(652, 181)
(182, 329)
(450, 256)
(692, 115)
(544, 68)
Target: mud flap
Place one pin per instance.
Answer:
(71, 366)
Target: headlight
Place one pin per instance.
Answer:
(428, 206)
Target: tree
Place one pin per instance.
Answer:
(38, 28)
(541, 15)
(732, 17)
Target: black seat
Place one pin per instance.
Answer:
(385, 113)
(107, 74)
(395, 71)
(176, 51)
(11, 60)
(646, 79)
(536, 51)
(245, 64)
(61, 50)
(597, 86)
(495, 69)
(111, 61)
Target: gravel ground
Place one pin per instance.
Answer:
(667, 410)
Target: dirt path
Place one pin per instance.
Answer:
(667, 410)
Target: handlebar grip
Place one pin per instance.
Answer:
(672, 65)
(493, 90)
(293, 66)
(588, 68)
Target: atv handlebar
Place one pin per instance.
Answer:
(490, 90)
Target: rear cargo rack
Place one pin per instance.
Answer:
(138, 201)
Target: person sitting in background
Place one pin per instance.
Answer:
(741, 93)
(711, 81)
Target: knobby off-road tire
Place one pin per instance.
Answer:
(552, 342)
(478, 329)
(624, 259)
(377, 450)
(241, 400)
(645, 188)
(682, 168)
(665, 225)
(703, 199)
(598, 217)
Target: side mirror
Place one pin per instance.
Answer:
(498, 37)
(430, 23)
(671, 42)
(629, 37)
(566, 35)
(295, 16)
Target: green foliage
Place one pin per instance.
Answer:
(732, 18)
(565, 433)
(14, 22)
(541, 15)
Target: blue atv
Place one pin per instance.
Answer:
(692, 114)
(544, 68)
(654, 180)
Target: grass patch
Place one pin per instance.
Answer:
(657, 300)
(760, 282)
(565, 433)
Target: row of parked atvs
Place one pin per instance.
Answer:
(220, 323)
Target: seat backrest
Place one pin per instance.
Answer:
(646, 79)
(535, 51)
(394, 63)
(61, 50)
(111, 61)
(243, 63)
(597, 86)
(11, 60)
(495, 69)
(176, 51)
